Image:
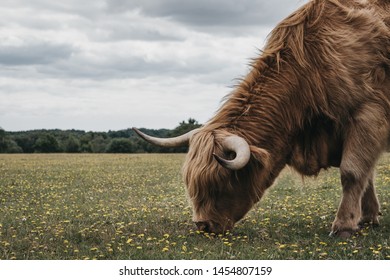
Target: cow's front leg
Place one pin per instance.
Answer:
(349, 212)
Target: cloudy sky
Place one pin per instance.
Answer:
(112, 64)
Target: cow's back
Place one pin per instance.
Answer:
(347, 44)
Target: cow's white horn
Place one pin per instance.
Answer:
(240, 147)
(182, 140)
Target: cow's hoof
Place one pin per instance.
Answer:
(368, 224)
(372, 222)
(344, 234)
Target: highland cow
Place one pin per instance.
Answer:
(317, 96)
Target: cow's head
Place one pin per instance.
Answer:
(224, 176)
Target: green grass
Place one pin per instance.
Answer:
(103, 206)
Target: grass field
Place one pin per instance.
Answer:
(100, 206)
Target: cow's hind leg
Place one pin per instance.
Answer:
(365, 140)
(370, 204)
(349, 212)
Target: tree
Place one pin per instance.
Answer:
(72, 145)
(46, 143)
(121, 145)
(85, 142)
(12, 147)
(8, 145)
(183, 128)
(26, 141)
(74, 141)
(3, 143)
(98, 144)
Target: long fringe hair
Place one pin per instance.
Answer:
(206, 179)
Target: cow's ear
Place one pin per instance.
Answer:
(261, 155)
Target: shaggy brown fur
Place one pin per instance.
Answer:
(318, 96)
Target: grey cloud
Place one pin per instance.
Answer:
(34, 53)
(132, 30)
(143, 35)
(211, 13)
(63, 56)
(86, 8)
(198, 13)
(122, 67)
(155, 21)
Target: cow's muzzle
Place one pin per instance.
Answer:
(213, 227)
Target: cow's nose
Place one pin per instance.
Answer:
(203, 226)
(210, 227)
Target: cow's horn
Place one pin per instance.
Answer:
(182, 140)
(240, 147)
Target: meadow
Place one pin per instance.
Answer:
(133, 206)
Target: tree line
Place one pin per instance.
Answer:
(79, 141)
